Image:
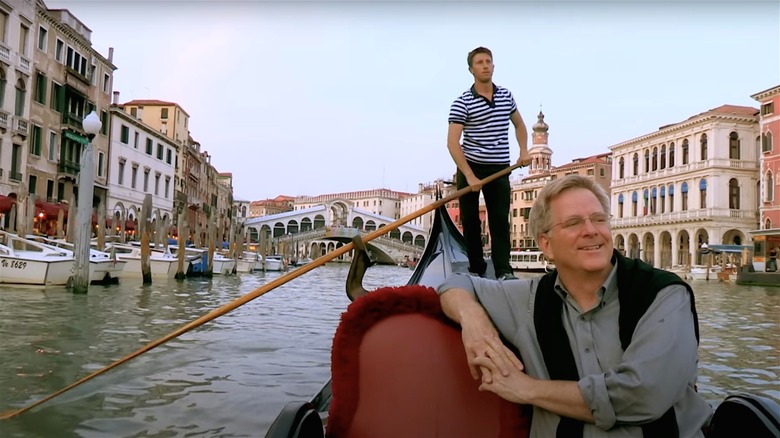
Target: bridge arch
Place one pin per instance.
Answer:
(419, 240)
(319, 222)
(292, 227)
(357, 222)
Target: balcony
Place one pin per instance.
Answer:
(5, 54)
(5, 119)
(75, 74)
(21, 126)
(25, 66)
(71, 120)
(706, 214)
(68, 167)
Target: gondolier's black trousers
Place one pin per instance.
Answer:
(497, 197)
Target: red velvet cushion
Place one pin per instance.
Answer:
(399, 370)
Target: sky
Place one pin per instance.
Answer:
(307, 98)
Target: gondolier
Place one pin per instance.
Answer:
(481, 115)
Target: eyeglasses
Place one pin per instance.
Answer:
(575, 223)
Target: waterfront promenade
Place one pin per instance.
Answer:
(231, 377)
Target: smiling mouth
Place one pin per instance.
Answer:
(591, 248)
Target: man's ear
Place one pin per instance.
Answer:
(544, 245)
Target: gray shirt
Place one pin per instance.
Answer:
(624, 389)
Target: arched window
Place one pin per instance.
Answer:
(621, 165)
(662, 201)
(655, 159)
(733, 194)
(646, 197)
(21, 90)
(633, 203)
(671, 198)
(671, 154)
(653, 201)
(685, 152)
(684, 196)
(663, 157)
(620, 205)
(769, 192)
(647, 161)
(766, 142)
(768, 224)
(703, 193)
(733, 146)
(703, 147)
(636, 164)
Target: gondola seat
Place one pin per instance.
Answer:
(399, 370)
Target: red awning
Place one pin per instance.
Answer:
(5, 203)
(50, 210)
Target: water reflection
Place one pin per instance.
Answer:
(231, 376)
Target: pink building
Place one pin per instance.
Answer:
(769, 129)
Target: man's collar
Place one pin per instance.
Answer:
(474, 90)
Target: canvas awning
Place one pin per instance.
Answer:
(75, 137)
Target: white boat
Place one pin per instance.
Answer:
(23, 261)
(249, 262)
(163, 264)
(699, 272)
(274, 263)
(104, 267)
(531, 261)
(222, 265)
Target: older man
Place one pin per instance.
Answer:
(608, 344)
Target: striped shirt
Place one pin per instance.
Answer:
(485, 124)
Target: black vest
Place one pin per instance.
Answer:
(638, 284)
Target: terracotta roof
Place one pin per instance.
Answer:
(589, 160)
(230, 174)
(728, 110)
(150, 102)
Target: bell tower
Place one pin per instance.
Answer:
(541, 154)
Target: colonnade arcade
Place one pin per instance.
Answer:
(672, 247)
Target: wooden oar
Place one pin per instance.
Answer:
(264, 289)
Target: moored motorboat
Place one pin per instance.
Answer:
(23, 261)
(104, 267)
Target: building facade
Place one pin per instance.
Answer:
(143, 161)
(425, 196)
(685, 185)
(769, 130)
(16, 66)
(71, 79)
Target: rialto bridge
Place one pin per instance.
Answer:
(315, 231)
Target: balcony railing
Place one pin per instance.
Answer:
(68, 167)
(24, 64)
(72, 120)
(5, 119)
(21, 126)
(683, 216)
(5, 54)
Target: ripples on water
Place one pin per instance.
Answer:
(230, 377)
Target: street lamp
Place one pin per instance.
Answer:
(83, 230)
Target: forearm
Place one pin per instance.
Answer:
(561, 397)
(521, 133)
(463, 308)
(460, 159)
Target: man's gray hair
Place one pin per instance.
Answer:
(540, 218)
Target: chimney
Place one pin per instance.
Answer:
(115, 102)
(111, 54)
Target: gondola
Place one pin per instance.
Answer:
(401, 355)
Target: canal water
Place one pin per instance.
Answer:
(230, 377)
